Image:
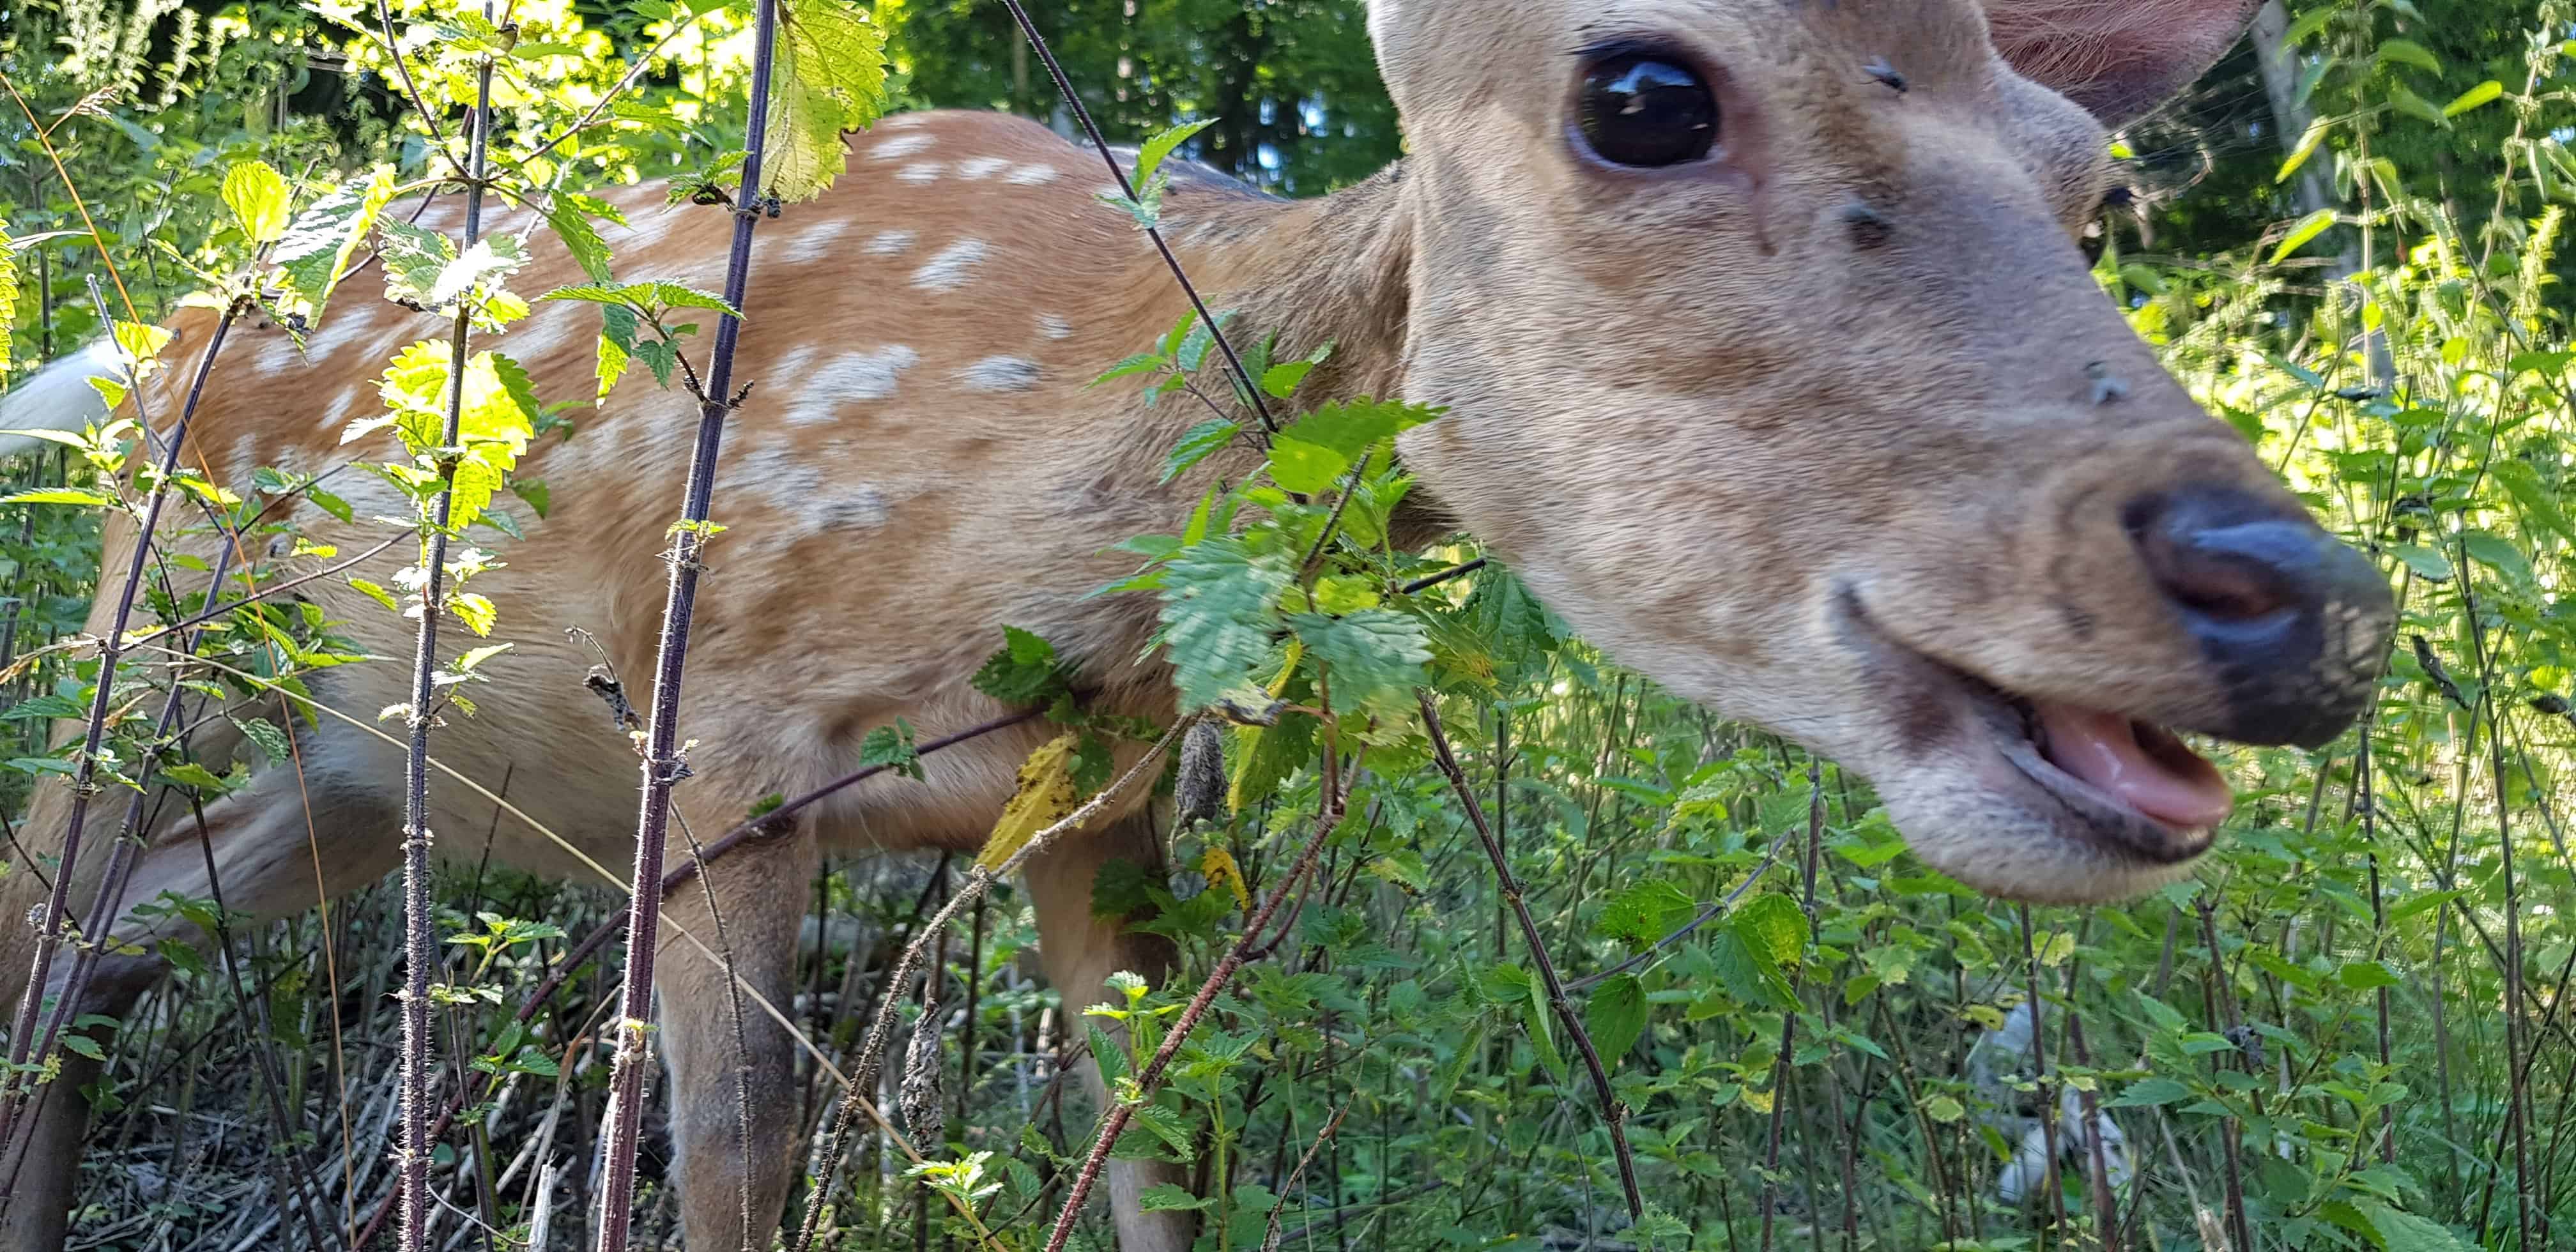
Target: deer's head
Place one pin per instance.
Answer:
(1775, 368)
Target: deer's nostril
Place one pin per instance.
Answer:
(2226, 556)
(2290, 621)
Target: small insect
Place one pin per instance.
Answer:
(1880, 71)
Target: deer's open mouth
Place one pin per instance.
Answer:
(2136, 784)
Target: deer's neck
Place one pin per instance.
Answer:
(1337, 268)
(1333, 268)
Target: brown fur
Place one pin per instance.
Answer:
(1795, 437)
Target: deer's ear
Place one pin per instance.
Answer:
(2117, 58)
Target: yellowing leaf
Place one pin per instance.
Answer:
(1758, 1101)
(1045, 796)
(2309, 227)
(831, 79)
(1218, 864)
(258, 197)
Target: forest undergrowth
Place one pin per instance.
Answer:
(1749, 1018)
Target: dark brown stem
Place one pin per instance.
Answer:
(1151, 1077)
(1073, 99)
(663, 765)
(1615, 1113)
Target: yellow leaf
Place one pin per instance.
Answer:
(1218, 864)
(1758, 1101)
(1044, 797)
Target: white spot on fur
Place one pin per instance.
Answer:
(1111, 191)
(920, 172)
(903, 121)
(888, 243)
(543, 335)
(814, 242)
(950, 267)
(793, 483)
(1032, 175)
(900, 146)
(1000, 373)
(1054, 327)
(824, 385)
(982, 168)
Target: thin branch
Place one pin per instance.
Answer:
(1063, 83)
(664, 764)
(1615, 1113)
(980, 879)
(1336, 794)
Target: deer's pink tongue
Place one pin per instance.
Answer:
(2139, 765)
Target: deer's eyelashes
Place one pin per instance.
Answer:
(1645, 110)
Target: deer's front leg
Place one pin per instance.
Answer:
(760, 890)
(1081, 950)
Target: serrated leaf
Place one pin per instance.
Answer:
(1217, 616)
(2150, 1093)
(1168, 1198)
(830, 78)
(271, 742)
(1353, 427)
(413, 258)
(2400, 1231)
(2308, 144)
(1221, 871)
(314, 253)
(1044, 796)
(1305, 467)
(1373, 659)
(1197, 445)
(2483, 94)
(491, 259)
(570, 217)
(891, 746)
(258, 197)
(1645, 911)
(57, 495)
(1151, 154)
(86, 1046)
(1615, 1016)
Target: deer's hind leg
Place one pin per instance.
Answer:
(729, 1168)
(1081, 950)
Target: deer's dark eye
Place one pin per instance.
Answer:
(1644, 111)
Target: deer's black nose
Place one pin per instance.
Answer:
(2294, 623)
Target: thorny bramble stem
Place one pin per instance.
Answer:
(420, 939)
(663, 764)
(50, 921)
(1336, 794)
(1615, 1114)
(980, 879)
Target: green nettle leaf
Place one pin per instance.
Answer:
(1307, 467)
(2539, 504)
(2400, 1231)
(314, 252)
(1169, 1197)
(2366, 975)
(891, 746)
(2308, 144)
(2150, 1093)
(2309, 228)
(2410, 52)
(1645, 911)
(1202, 441)
(1218, 616)
(1615, 1017)
(1777, 925)
(1353, 427)
(259, 199)
(414, 258)
(271, 741)
(496, 419)
(830, 78)
(1373, 658)
(1023, 672)
(570, 215)
(617, 327)
(58, 495)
